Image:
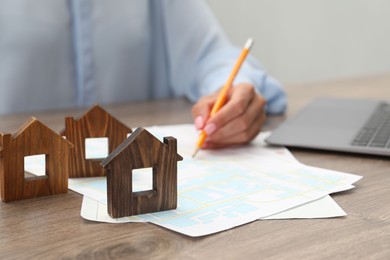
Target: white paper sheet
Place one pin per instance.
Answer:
(222, 189)
(324, 207)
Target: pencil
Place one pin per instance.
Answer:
(223, 93)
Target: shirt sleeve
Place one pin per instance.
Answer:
(200, 57)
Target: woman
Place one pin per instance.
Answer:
(66, 53)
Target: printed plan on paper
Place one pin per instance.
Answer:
(222, 189)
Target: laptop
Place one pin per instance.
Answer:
(338, 124)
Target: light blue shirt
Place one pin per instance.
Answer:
(64, 53)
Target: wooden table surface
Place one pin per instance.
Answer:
(51, 227)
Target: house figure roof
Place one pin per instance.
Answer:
(141, 139)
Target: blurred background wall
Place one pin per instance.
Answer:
(311, 40)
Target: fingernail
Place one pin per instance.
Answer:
(198, 122)
(210, 128)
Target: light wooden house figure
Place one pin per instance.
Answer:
(96, 124)
(142, 150)
(33, 140)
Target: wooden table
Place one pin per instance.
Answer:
(51, 227)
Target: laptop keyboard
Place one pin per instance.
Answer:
(376, 132)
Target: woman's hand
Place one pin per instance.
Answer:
(237, 122)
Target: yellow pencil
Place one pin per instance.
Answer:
(223, 93)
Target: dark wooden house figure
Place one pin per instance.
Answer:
(142, 150)
(33, 139)
(96, 123)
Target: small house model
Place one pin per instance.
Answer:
(142, 150)
(33, 139)
(94, 124)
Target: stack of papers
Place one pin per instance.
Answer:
(222, 189)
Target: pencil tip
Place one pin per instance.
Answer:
(196, 151)
(249, 43)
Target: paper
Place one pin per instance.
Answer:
(324, 207)
(222, 189)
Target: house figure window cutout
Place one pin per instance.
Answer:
(142, 150)
(96, 123)
(96, 148)
(35, 166)
(33, 138)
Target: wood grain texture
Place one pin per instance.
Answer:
(142, 150)
(51, 227)
(33, 138)
(95, 123)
